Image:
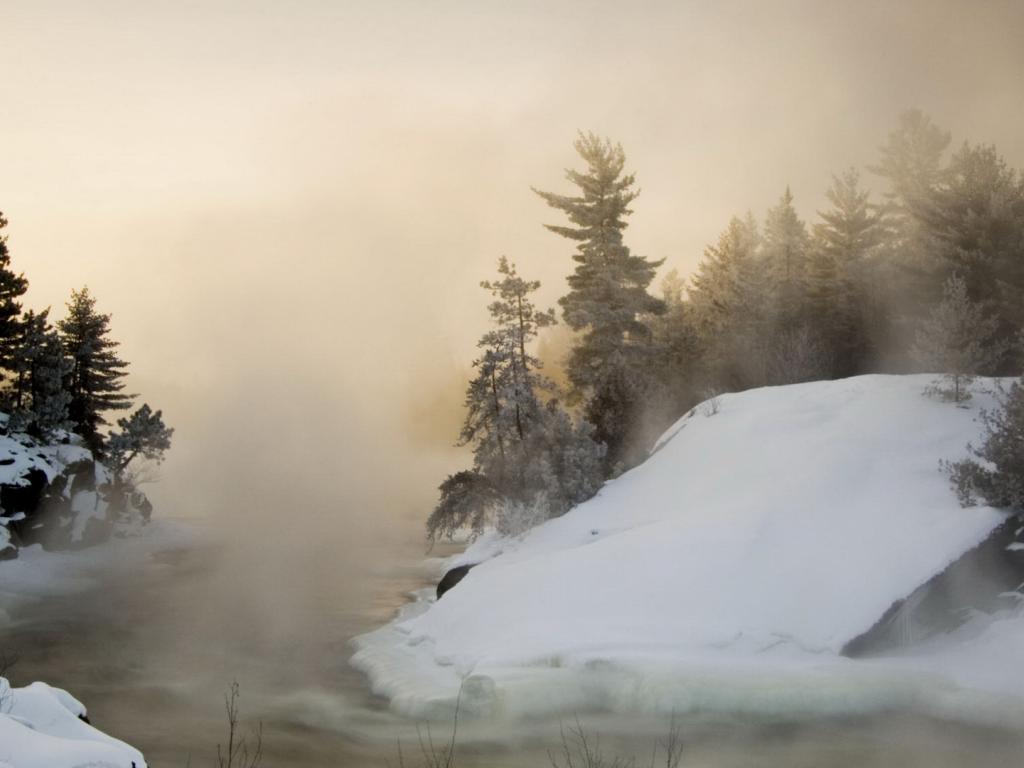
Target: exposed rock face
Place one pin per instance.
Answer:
(988, 578)
(56, 494)
(450, 579)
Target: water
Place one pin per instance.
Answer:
(152, 650)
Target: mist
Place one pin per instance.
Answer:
(288, 211)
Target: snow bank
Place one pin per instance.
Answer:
(726, 571)
(41, 727)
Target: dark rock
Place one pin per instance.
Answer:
(453, 577)
(8, 552)
(23, 498)
(983, 579)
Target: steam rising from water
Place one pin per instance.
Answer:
(288, 213)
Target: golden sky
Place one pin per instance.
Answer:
(287, 206)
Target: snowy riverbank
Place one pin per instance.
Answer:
(725, 573)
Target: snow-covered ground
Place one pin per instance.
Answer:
(41, 727)
(724, 573)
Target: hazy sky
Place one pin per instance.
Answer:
(287, 206)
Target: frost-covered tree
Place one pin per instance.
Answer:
(999, 482)
(466, 499)
(142, 434)
(12, 288)
(525, 448)
(608, 296)
(39, 399)
(957, 340)
(96, 381)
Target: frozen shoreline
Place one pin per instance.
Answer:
(682, 589)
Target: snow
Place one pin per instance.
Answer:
(40, 727)
(727, 571)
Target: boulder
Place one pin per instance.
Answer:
(453, 577)
(988, 578)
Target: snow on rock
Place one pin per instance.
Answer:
(42, 727)
(733, 565)
(54, 492)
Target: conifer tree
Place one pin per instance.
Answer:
(786, 245)
(999, 481)
(141, 434)
(975, 221)
(911, 161)
(95, 381)
(12, 288)
(607, 298)
(526, 450)
(840, 277)
(957, 341)
(40, 401)
(728, 302)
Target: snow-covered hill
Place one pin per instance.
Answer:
(43, 727)
(766, 531)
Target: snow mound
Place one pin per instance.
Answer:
(41, 727)
(759, 538)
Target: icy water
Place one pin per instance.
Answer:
(152, 650)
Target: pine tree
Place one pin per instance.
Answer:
(677, 365)
(141, 434)
(786, 246)
(975, 221)
(95, 382)
(12, 287)
(608, 296)
(527, 453)
(911, 160)
(840, 277)
(957, 341)
(728, 304)
(40, 401)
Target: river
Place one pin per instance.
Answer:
(151, 651)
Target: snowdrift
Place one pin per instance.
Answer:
(41, 727)
(727, 571)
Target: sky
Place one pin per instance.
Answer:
(288, 207)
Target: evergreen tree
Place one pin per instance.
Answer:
(95, 381)
(677, 365)
(526, 450)
(1000, 480)
(141, 434)
(841, 282)
(12, 288)
(40, 401)
(608, 296)
(728, 305)
(975, 221)
(786, 246)
(911, 161)
(956, 341)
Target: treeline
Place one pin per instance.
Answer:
(929, 276)
(66, 377)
